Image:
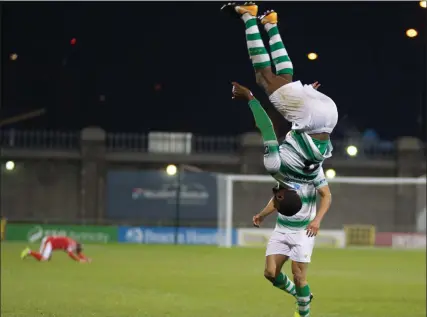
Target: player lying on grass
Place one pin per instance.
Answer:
(52, 243)
(295, 200)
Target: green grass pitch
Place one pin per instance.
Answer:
(193, 281)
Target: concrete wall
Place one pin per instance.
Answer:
(66, 185)
(39, 189)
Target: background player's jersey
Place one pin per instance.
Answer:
(307, 193)
(62, 243)
(297, 163)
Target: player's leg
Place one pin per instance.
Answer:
(47, 252)
(277, 254)
(44, 254)
(43, 244)
(303, 292)
(265, 77)
(301, 257)
(281, 60)
(273, 273)
(27, 251)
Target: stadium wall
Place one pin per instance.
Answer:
(150, 198)
(63, 177)
(242, 237)
(401, 240)
(168, 235)
(252, 237)
(34, 233)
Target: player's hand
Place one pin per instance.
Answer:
(313, 228)
(315, 85)
(257, 220)
(85, 260)
(241, 92)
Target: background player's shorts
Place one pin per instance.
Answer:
(308, 109)
(46, 249)
(297, 245)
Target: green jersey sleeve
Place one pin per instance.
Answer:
(272, 159)
(320, 179)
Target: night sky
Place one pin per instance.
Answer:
(168, 66)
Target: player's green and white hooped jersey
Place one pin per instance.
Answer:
(297, 163)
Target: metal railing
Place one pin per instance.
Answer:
(129, 142)
(199, 144)
(39, 139)
(134, 142)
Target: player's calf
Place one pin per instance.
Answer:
(272, 273)
(279, 54)
(298, 274)
(38, 256)
(260, 58)
(303, 293)
(282, 282)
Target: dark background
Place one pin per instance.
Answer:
(168, 66)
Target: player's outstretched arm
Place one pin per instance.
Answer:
(83, 258)
(271, 152)
(78, 257)
(268, 210)
(324, 205)
(325, 201)
(75, 257)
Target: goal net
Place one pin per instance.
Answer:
(361, 206)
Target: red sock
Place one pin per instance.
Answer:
(36, 255)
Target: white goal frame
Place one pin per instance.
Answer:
(225, 185)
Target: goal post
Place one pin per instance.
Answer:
(384, 204)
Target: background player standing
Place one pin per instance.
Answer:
(52, 243)
(295, 200)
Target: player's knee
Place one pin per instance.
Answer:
(299, 278)
(287, 77)
(270, 274)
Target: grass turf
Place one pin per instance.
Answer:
(192, 281)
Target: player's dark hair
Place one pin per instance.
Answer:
(79, 248)
(287, 201)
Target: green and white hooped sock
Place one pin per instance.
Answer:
(284, 283)
(303, 298)
(278, 51)
(257, 51)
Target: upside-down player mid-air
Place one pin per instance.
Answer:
(295, 200)
(53, 243)
(297, 163)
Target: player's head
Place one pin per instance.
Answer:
(79, 248)
(287, 201)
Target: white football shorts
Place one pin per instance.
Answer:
(308, 109)
(296, 245)
(45, 249)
